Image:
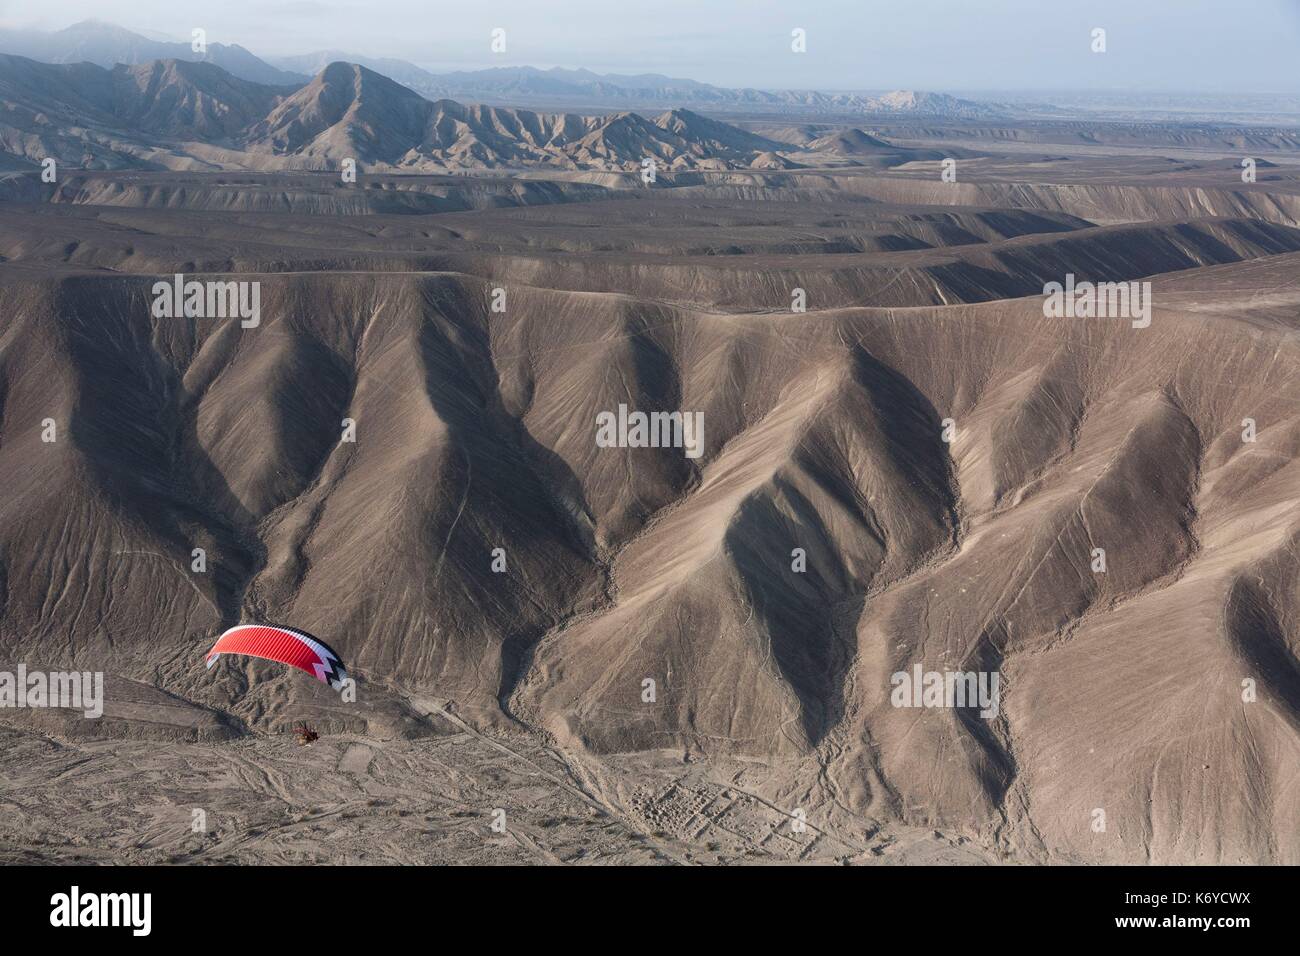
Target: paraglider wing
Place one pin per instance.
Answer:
(287, 645)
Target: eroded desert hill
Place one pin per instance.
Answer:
(904, 461)
(173, 114)
(823, 432)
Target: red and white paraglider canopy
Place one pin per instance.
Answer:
(287, 645)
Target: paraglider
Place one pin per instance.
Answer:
(287, 645)
(304, 733)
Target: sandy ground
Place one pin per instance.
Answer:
(354, 800)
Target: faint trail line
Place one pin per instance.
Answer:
(565, 785)
(469, 470)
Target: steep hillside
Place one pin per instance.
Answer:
(822, 433)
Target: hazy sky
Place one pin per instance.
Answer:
(952, 45)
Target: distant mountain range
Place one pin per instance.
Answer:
(525, 85)
(107, 45)
(180, 114)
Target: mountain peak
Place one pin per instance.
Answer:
(107, 44)
(100, 26)
(923, 101)
(340, 71)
